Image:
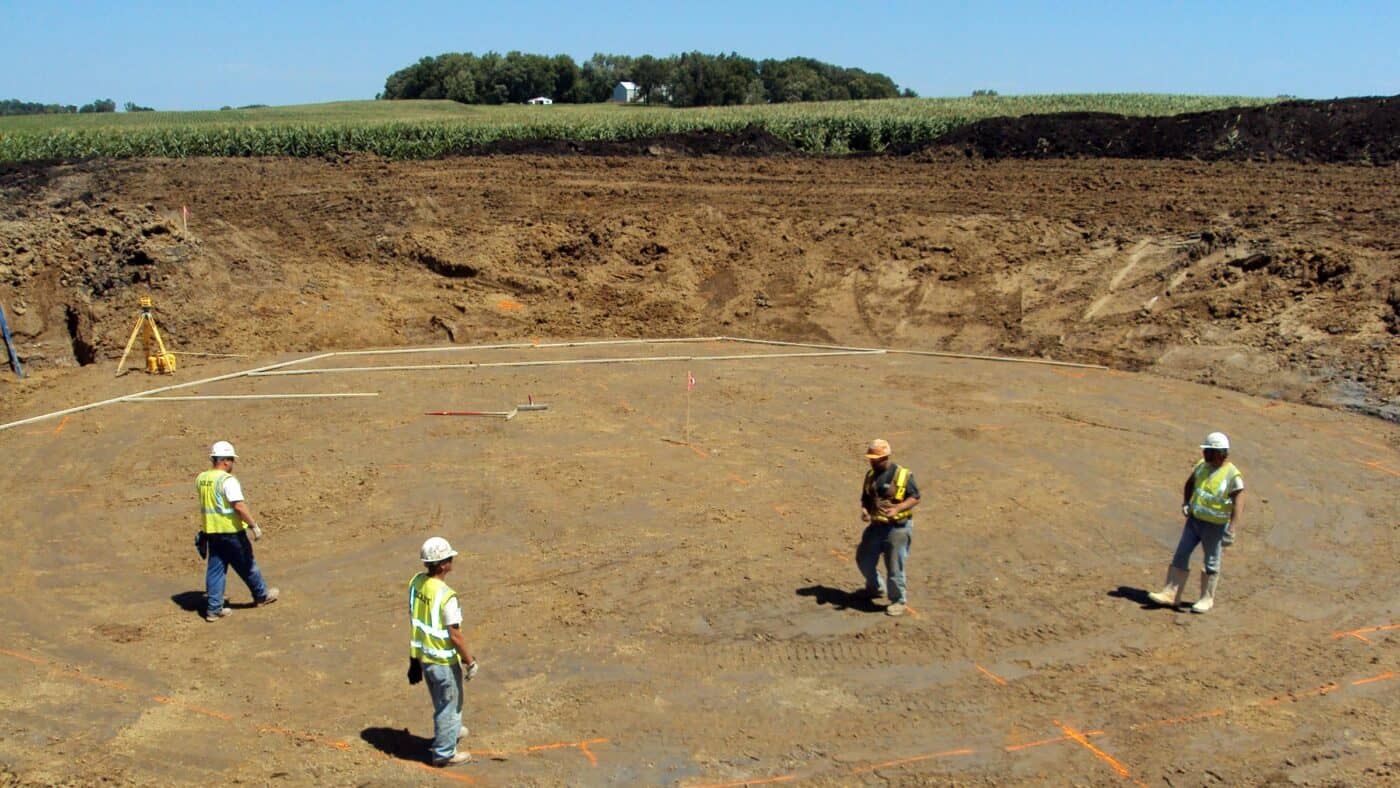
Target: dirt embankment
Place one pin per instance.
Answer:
(1277, 279)
(1359, 131)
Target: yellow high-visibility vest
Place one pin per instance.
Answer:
(431, 642)
(1211, 501)
(219, 515)
(901, 478)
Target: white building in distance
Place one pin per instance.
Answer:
(626, 92)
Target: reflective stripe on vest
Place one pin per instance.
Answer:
(901, 479)
(431, 641)
(219, 515)
(1211, 501)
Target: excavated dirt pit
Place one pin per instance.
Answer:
(648, 611)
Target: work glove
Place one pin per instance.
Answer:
(469, 672)
(201, 544)
(1186, 510)
(1228, 538)
(415, 671)
(255, 531)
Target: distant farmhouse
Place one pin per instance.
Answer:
(540, 100)
(626, 93)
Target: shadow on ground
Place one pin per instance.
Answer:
(841, 600)
(194, 601)
(398, 743)
(1138, 596)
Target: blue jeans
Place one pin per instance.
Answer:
(445, 686)
(892, 542)
(233, 550)
(1208, 536)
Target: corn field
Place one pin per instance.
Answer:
(427, 129)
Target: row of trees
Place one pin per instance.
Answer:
(17, 107)
(687, 80)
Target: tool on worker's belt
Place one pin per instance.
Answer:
(158, 359)
(10, 345)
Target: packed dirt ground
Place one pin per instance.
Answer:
(648, 611)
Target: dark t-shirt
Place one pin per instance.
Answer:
(883, 484)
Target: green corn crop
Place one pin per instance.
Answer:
(425, 129)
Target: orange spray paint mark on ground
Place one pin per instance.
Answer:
(1100, 754)
(1386, 676)
(990, 675)
(196, 709)
(1041, 743)
(302, 736)
(509, 305)
(1377, 465)
(61, 425)
(1359, 634)
(1370, 444)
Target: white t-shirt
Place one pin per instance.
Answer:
(233, 491)
(452, 613)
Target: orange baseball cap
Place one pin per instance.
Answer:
(877, 448)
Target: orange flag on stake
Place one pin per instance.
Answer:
(689, 381)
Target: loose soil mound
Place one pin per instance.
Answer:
(1360, 130)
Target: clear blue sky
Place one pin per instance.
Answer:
(202, 55)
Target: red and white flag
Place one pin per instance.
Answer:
(689, 381)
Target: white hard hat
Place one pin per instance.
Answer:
(222, 449)
(1216, 440)
(436, 549)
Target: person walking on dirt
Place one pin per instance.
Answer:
(1212, 506)
(887, 501)
(223, 538)
(438, 649)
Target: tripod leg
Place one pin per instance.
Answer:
(134, 331)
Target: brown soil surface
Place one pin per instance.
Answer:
(1281, 280)
(684, 611)
(651, 612)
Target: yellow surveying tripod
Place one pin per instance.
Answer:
(158, 359)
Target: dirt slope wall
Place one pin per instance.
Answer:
(1276, 279)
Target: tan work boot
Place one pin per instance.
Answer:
(460, 756)
(1207, 600)
(1170, 595)
(896, 609)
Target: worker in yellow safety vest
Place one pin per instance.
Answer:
(1212, 507)
(223, 535)
(887, 500)
(438, 650)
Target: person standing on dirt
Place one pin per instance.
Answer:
(1211, 503)
(223, 538)
(438, 649)
(887, 501)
